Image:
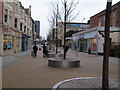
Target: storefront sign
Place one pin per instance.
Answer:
(91, 35)
(18, 34)
(75, 37)
(81, 36)
(25, 36)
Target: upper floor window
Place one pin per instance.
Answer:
(103, 20)
(113, 17)
(93, 21)
(6, 15)
(21, 14)
(16, 21)
(25, 18)
(27, 30)
(16, 7)
(10, 20)
(6, 11)
(100, 21)
(21, 26)
(24, 29)
(5, 18)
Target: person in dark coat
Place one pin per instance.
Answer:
(45, 51)
(89, 50)
(35, 49)
(66, 48)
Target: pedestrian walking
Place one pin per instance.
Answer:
(35, 49)
(89, 50)
(45, 51)
(66, 48)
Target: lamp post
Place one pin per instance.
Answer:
(105, 75)
(83, 20)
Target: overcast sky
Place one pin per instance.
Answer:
(40, 11)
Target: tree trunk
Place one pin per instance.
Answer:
(105, 77)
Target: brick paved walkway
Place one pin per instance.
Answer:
(86, 82)
(34, 72)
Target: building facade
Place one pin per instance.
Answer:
(71, 28)
(94, 37)
(16, 28)
(1, 26)
(37, 29)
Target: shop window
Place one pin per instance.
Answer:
(4, 46)
(15, 22)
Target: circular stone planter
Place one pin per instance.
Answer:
(50, 55)
(63, 63)
(94, 83)
(50, 51)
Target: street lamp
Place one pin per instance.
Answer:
(83, 20)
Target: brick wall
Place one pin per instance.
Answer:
(94, 20)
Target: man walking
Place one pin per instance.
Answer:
(35, 49)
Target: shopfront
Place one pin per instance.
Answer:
(75, 44)
(92, 41)
(24, 42)
(8, 39)
(8, 42)
(18, 41)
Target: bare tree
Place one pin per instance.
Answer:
(63, 11)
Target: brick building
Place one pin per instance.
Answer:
(99, 18)
(94, 37)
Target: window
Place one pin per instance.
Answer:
(25, 18)
(103, 20)
(100, 20)
(24, 29)
(28, 31)
(16, 22)
(6, 11)
(113, 17)
(20, 26)
(6, 15)
(16, 7)
(5, 18)
(10, 20)
(21, 14)
(93, 21)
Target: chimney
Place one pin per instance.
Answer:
(29, 11)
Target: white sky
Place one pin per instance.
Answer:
(40, 11)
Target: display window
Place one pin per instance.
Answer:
(7, 42)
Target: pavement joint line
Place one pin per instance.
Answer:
(40, 56)
(87, 79)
